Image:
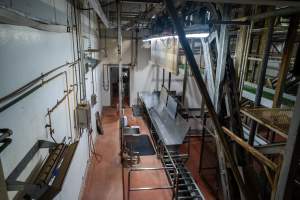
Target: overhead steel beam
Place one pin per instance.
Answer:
(245, 2)
(274, 13)
(255, 2)
(95, 4)
(202, 87)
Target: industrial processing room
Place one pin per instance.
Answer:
(149, 99)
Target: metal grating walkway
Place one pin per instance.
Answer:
(276, 119)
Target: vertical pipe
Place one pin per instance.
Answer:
(169, 83)
(163, 80)
(184, 83)
(136, 46)
(69, 107)
(261, 80)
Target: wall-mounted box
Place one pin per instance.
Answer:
(83, 112)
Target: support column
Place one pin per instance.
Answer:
(262, 74)
(222, 55)
(163, 78)
(284, 66)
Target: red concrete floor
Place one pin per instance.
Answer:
(208, 186)
(146, 178)
(104, 179)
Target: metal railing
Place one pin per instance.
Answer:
(173, 183)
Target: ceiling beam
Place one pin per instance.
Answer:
(247, 2)
(255, 2)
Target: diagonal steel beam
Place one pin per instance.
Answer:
(202, 87)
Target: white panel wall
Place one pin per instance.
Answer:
(25, 54)
(143, 77)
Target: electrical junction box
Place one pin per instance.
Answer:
(93, 99)
(83, 112)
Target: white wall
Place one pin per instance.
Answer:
(143, 76)
(25, 53)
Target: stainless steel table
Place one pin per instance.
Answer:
(170, 131)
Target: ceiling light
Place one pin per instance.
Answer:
(189, 35)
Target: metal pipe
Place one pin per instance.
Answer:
(136, 46)
(184, 82)
(163, 81)
(19, 98)
(31, 83)
(261, 81)
(202, 87)
(118, 7)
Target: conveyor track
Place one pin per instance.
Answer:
(187, 187)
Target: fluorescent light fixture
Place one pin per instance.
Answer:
(189, 35)
(197, 35)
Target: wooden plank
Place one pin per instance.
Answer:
(266, 161)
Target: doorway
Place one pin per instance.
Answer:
(114, 87)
